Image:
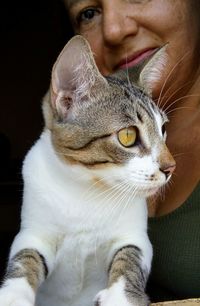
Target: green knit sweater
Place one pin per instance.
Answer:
(176, 245)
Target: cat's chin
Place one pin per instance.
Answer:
(148, 192)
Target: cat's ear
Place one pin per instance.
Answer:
(152, 70)
(147, 73)
(75, 76)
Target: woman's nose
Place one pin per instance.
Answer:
(117, 23)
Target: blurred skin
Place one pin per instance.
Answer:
(122, 33)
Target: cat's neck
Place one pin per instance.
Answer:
(77, 181)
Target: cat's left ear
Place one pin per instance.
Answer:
(75, 76)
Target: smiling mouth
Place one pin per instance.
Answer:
(137, 58)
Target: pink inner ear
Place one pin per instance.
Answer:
(61, 101)
(152, 71)
(63, 105)
(66, 74)
(74, 74)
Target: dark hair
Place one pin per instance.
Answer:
(64, 19)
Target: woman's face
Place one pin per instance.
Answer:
(122, 33)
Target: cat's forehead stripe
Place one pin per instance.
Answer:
(131, 91)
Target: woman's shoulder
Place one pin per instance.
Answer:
(175, 238)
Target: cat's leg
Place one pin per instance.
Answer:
(27, 269)
(127, 280)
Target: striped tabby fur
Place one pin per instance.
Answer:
(83, 237)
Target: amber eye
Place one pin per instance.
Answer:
(127, 136)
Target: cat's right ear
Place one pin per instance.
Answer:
(146, 74)
(75, 76)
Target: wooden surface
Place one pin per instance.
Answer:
(191, 302)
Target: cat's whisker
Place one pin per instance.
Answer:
(179, 108)
(162, 190)
(170, 184)
(178, 154)
(98, 181)
(110, 176)
(179, 99)
(109, 214)
(127, 71)
(152, 199)
(169, 75)
(173, 94)
(122, 189)
(111, 192)
(129, 201)
(130, 197)
(157, 195)
(106, 218)
(111, 189)
(121, 198)
(106, 214)
(175, 174)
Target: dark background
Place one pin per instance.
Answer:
(32, 35)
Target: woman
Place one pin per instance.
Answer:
(121, 34)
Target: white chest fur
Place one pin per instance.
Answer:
(82, 228)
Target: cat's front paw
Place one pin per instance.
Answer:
(116, 295)
(16, 293)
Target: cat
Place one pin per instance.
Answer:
(83, 237)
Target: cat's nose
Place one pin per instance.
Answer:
(168, 169)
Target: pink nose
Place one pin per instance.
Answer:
(168, 170)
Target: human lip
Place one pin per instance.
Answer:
(136, 58)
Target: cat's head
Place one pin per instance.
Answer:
(108, 127)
